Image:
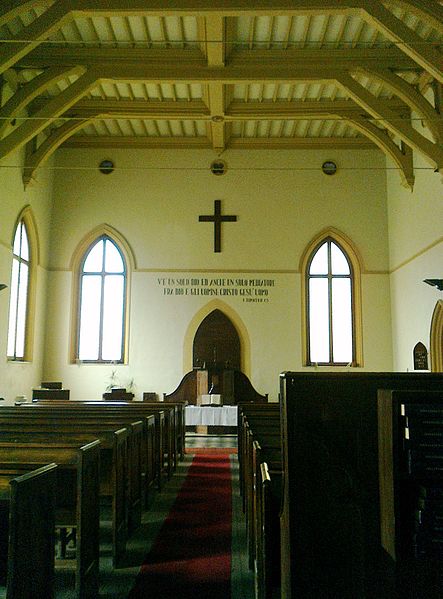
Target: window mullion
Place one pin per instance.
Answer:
(102, 304)
(331, 346)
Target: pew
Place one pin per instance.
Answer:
(77, 498)
(267, 552)
(411, 489)
(260, 447)
(330, 523)
(165, 424)
(115, 465)
(27, 530)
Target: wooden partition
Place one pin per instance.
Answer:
(27, 497)
(331, 544)
(77, 498)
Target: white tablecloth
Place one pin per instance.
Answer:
(211, 415)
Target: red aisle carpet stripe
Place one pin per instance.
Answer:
(191, 557)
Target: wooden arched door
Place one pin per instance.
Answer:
(216, 343)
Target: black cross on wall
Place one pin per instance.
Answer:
(217, 219)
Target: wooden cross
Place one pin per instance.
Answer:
(217, 219)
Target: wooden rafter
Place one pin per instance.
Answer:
(13, 8)
(32, 35)
(48, 147)
(429, 11)
(398, 126)
(26, 94)
(338, 58)
(402, 159)
(49, 113)
(412, 98)
(409, 42)
(215, 53)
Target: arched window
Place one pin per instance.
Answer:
(19, 297)
(330, 321)
(102, 303)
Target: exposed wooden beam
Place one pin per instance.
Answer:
(336, 58)
(215, 53)
(197, 110)
(301, 143)
(284, 110)
(409, 42)
(215, 40)
(192, 73)
(13, 8)
(47, 148)
(430, 11)
(399, 127)
(135, 109)
(32, 35)
(49, 113)
(26, 94)
(231, 8)
(412, 98)
(402, 159)
(83, 141)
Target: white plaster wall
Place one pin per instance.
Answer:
(19, 378)
(415, 253)
(154, 198)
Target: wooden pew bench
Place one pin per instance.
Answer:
(100, 413)
(260, 442)
(115, 482)
(330, 525)
(267, 553)
(164, 420)
(77, 498)
(27, 530)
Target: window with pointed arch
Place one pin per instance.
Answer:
(102, 303)
(330, 306)
(18, 324)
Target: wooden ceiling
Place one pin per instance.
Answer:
(222, 74)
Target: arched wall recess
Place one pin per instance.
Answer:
(236, 321)
(356, 261)
(437, 338)
(75, 264)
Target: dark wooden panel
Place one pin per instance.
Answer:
(331, 545)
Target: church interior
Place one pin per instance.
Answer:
(227, 203)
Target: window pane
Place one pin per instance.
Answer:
(90, 318)
(94, 261)
(13, 308)
(17, 239)
(25, 244)
(113, 259)
(319, 320)
(21, 310)
(319, 264)
(113, 317)
(339, 264)
(342, 320)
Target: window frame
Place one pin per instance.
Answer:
(355, 263)
(330, 277)
(103, 237)
(26, 218)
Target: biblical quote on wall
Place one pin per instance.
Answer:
(253, 290)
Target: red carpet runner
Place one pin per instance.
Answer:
(191, 557)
